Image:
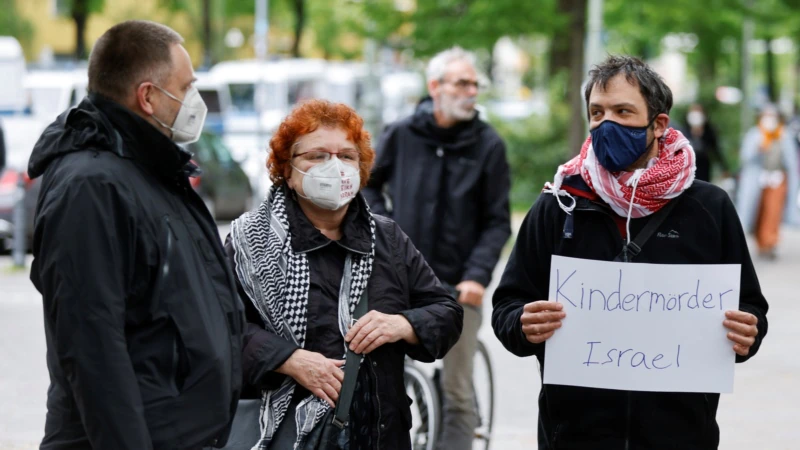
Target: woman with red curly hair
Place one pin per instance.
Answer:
(309, 262)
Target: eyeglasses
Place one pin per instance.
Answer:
(463, 85)
(323, 156)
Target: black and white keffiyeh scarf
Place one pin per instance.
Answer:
(277, 280)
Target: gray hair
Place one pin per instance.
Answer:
(655, 91)
(438, 64)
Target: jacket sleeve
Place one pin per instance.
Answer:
(434, 315)
(496, 220)
(85, 244)
(262, 351)
(525, 280)
(381, 172)
(735, 251)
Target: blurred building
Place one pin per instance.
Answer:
(54, 37)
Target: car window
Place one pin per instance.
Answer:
(300, 90)
(221, 152)
(243, 96)
(211, 99)
(202, 151)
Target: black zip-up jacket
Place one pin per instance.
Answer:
(448, 190)
(401, 283)
(142, 319)
(708, 232)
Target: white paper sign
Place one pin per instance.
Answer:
(642, 327)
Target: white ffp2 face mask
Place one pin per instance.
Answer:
(191, 117)
(769, 123)
(330, 185)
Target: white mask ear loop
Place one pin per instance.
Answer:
(557, 192)
(637, 175)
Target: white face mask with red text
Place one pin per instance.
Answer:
(330, 185)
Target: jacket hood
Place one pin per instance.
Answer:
(100, 124)
(77, 129)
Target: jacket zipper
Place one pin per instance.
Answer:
(555, 436)
(163, 272)
(628, 394)
(378, 398)
(628, 422)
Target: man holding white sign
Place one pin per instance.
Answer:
(637, 276)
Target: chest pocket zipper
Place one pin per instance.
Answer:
(166, 249)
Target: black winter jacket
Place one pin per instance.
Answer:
(401, 283)
(585, 418)
(448, 190)
(142, 319)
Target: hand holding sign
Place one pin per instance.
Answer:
(743, 330)
(541, 319)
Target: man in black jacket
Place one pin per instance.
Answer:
(446, 176)
(142, 320)
(630, 168)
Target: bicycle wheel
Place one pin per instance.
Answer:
(483, 386)
(425, 408)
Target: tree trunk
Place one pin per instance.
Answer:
(300, 22)
(80, 14)
(772, 88)
(207, 57)
(560, 47)
(707, 66)
(577, 36)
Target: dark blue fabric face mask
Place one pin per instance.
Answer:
(617, 146)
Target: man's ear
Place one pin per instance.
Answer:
(660, 125)
(433, 88)
(144, 96)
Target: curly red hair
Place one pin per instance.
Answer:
(308, 117)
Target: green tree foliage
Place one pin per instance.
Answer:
(11, 24)
(474, 24)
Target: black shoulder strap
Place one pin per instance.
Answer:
(630, 250)
(342, 413)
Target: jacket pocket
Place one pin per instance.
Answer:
(407, 412)
(180, 360)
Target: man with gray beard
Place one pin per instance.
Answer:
(442, 175)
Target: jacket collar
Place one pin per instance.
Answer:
(462, 134)
(142, 141)
(356, 233)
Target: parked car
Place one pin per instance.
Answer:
(223, 185)
(21, 134)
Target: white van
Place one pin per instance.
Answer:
(345, 82)
(401, 93)
(217, 98)
(52, 92)
(12, 73)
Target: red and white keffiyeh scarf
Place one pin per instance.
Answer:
(633, 194)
